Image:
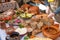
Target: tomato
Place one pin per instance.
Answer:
(4, 19)
(9, 18)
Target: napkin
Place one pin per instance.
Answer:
(2, 34)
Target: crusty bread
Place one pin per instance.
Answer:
(34, 10)
(37, 38)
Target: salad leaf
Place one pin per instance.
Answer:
(17, 13)
(26, 38)
(6, 21)
(21, 26)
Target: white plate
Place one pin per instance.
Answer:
(42, 7)
(21, 31)
(23, 37)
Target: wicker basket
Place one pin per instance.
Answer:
(49, 34)
(8, 5)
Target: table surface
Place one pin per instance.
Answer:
(41, 35)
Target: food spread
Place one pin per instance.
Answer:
(28, 20)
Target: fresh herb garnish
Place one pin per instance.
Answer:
(26, 38)
(21, 26)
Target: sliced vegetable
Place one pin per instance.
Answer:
(26, 38)
(21, 26)
(26, 15)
